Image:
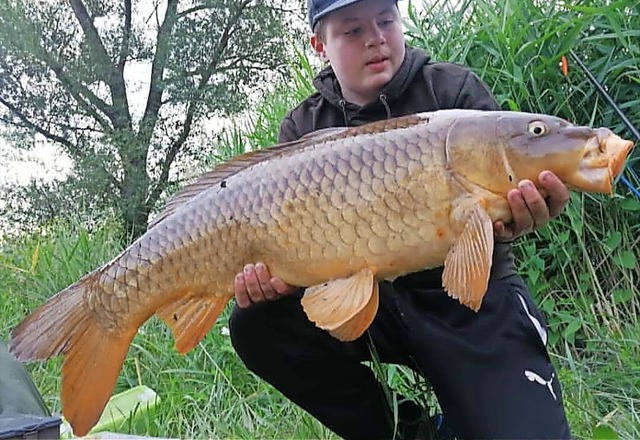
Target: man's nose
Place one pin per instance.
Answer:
(375, 37)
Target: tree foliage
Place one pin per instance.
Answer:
(127, 87)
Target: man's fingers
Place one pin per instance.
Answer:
(264, 279)
(255, 284)
(501, 232)
(281, 287)
(529, 209)
(538, 212)
(252, 283)
(522, 220)
(558, 193)
(242, 296)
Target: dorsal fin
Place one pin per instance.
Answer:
(323, 133)
(236, 164)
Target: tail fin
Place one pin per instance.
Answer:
(93, 355)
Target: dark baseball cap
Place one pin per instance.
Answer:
(320, 8)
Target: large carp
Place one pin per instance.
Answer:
(336, 211)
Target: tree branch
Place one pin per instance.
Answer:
(75, 128)
(114, 79)
(232, 63)
(79, 92)
(126, 37)
(27, 123)
(224, 42)
(161, 184)
(154, 194)
(156, 87)
(83, 96)
(97, 48)
(192, 10)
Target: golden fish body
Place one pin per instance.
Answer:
(380, 201)
(336, 211)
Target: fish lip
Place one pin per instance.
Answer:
(618, 158)
(615, 150)
(604, 157)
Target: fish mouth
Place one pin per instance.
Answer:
(603, 161)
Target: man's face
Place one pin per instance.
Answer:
(364, 43)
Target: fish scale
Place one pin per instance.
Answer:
(336, 211)
(357, 204)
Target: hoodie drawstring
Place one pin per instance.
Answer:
(385, 103)
(343, 106)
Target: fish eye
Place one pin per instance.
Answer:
(537, 128)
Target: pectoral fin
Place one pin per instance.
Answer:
(467, 266)
(344, 307)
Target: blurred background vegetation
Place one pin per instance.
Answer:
(582, 269)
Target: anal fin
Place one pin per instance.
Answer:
(191, 318)
(467, 266)
(344, 307)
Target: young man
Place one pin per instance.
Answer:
(490, 370)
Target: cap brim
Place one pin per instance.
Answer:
(337, 5)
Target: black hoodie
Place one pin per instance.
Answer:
(419, 86)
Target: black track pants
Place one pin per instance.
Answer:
(490, 371)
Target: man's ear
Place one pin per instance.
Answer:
(318, 47)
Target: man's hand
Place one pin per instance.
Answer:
(255, 284)
(529, 209)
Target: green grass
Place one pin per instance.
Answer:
(602, 384)
(209, 393)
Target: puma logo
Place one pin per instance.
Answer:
(534, 377)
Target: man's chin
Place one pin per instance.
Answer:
(379, 80)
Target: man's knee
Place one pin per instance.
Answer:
(247, 331)
(258, 332)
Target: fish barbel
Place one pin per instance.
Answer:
(336, 211)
